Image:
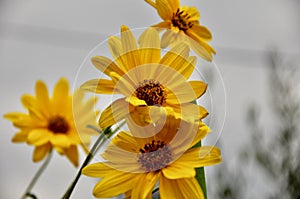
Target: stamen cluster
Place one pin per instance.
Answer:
(152, 92)
(58, 124)
(154, 156)
(180, 19)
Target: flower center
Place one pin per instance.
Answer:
(58, 124)
(180, 19)
(152, 92)
(154, 156)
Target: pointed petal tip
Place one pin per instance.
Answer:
(124, 28)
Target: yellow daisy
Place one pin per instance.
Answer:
(151, 85)
(134, 164)
(54, 123)
(184, 24)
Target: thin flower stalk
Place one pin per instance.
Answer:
(36, 177)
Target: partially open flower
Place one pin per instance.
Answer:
(53, 123)
(185, 26)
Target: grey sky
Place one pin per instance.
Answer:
(49, 39)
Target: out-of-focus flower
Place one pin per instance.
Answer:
(135, 164)
(185, 26)
(152, 85)
(53, 123)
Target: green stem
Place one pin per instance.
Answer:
(106, 133)
(86, 161)
(200, 176)
(36, 177)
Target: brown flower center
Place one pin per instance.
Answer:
(180, 19)
(152, 92)
(154, 156)
(58, 124)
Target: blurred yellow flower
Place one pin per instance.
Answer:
(152, 85)
(54, 123)
(185, 26)
(135, 164)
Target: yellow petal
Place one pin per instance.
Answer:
(127, 194)
(199, 87)
(193, 13)
(180, 48)
(185, 134)
(188, 67)
(20, 136)
(191, 188)
(151, 3)
(149, 39)
(190, 111)
(180, 188)
(142, 116)
(180, 95)
(201, 156)
(202, 132)
(114, 113)
(33, 107)
(169, 188)
(163, 25)
(114, 185)
(180, 92)
(39, 137)
(178, 59)
(150, 46)
(15, 116)
(202, 112)
(200, 46)
(124, 84)
(130, 54)
(28, 101)
(40, 152)
(59, 150)
(60, 95)
(164, 9)
(125, 141)
(122, 160)
(106, 65)
(176, 171)
(167, 38)
(101, 86)
(60, 140)
(43, 97)
(139, 117)
(174, 4)
(78, 96)
(98, 170)
(144, 185)
(22, 120)
(135, 101)
(115, 47)
(72, 154)
(201, 32)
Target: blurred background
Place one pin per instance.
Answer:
(258, 56)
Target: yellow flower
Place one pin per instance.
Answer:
(54, 123)
(152, 85)
(135, 164)
(184, 24)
